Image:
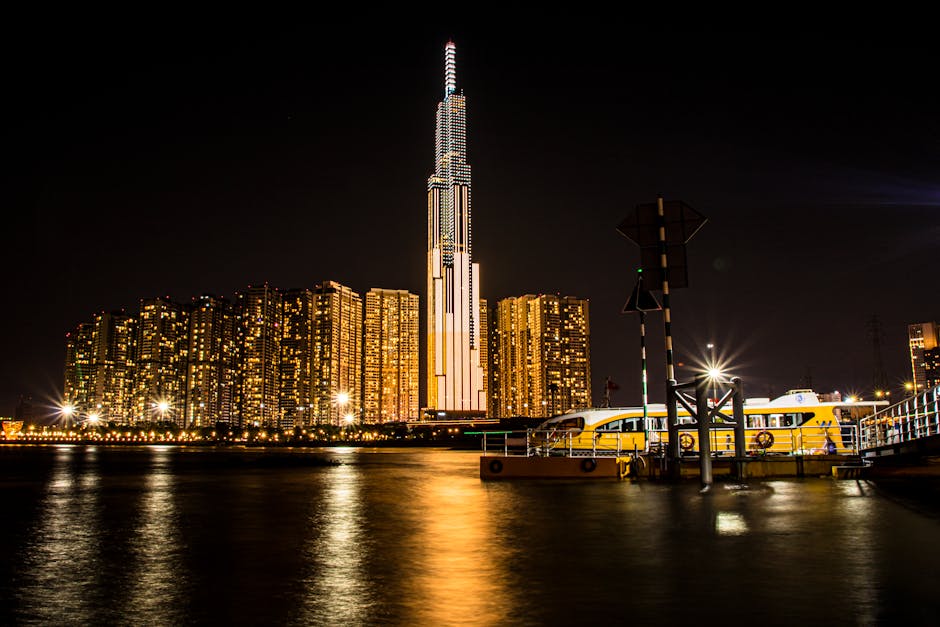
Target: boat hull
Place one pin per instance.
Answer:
(496, 467)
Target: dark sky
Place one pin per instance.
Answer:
(159, 159)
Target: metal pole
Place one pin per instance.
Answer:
(740, 446)
(704, 430)
(672, 419)
(643, 369)
(664, 266)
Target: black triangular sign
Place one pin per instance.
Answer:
(641, 300)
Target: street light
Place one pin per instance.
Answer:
(67, 412)
(713, 371)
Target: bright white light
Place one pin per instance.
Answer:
(163, 406)
(349, 419)
(68, 410)
(342, 398)
(94, 418)
(714, 373)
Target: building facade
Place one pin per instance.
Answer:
(455, 375)
(113, 368)
(160, 364)
(79, 356)
(543, 363)
(390, 356)
(923, 342)
(337, 354)
(297, 358)
(211, 364)
(259, 328)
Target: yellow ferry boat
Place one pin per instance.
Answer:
(797, 423)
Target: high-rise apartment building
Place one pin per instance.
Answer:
(297, 358)
(112, 367)
(79, 356)
(493, 380)
(923, 341)
(211, 364)
(259, 317)
(513, 329)
(160, 364)
(575, 354)
(543, 355)
(455, 371)
(390, 366)
(337, 354)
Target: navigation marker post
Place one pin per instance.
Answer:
(641, 301)
(662, 229)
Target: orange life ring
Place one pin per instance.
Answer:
(496, 466)
(589, 465)
(686, 441)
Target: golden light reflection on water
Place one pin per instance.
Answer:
(464, 559)
(337, 592)
(64, 551)
(156, 581)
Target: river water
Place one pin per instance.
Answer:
(175, 536)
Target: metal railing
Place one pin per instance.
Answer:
(915, 417)
(813, 440)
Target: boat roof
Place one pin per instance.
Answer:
(790, 400)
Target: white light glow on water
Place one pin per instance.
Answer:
(730, 524)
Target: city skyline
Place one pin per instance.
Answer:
(813, 161)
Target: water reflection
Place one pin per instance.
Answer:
(464, 557)
(337, 591)
(156, 536)
(158, 579)
(62, 559)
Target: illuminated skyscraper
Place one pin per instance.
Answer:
(391, 356)
(209, 387)
(455, 371)
(544, 355)
(160, 374)
(337, 353)
(924, 340)
(112, 367)
(79, 355)
(259, 310)
(297, 358)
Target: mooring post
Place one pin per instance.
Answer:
(704, 430)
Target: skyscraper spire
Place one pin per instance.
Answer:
(455, 371)
(450, 69)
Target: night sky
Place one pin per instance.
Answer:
(173, 160)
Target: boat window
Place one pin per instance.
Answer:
(804, 417)
(623, 424)
(568, 424)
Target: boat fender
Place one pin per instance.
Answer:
(496, 466)
(588, 465)
(686, 441)
(764, 439)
